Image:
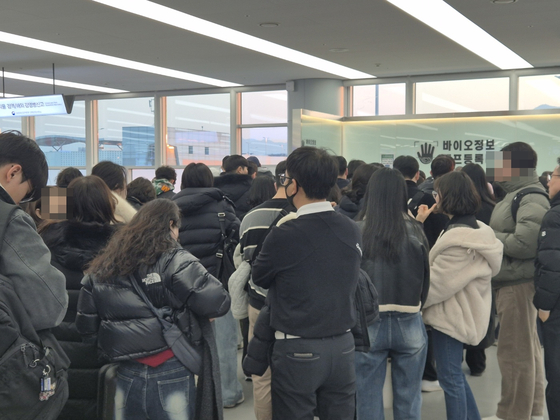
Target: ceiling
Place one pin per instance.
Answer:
(381, 39)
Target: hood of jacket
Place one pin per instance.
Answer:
(162, 185)
(75, 244)
(191, 200)
(481, 240)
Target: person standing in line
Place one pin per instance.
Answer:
(115, 177)
(396, 259)
(164, 182)
(519, 349)
(235, 183)
(311, 266)
(152, 382)
(342, 181)
(547, 285)
(462, 263)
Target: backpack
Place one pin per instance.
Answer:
(33, 366)
(226, 249)
(519, 196)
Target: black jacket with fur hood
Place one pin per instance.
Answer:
(236, 187)
(73, 246)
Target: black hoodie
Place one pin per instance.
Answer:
(236, 187)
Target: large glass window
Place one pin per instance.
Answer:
(63, 137)
(7, 124)
(539, 92)
(389, 99)
(198, 129)
(264, 125)
(477, 95)
(126, 131)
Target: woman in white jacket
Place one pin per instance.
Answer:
(462, 263)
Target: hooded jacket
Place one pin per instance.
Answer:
(348, 207)
(200, 231)
(519, 239)
(462, 263)
(547, 263)
(236, 187)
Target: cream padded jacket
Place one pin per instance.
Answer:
(462, 263)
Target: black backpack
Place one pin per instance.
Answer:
(28, 359)
(519, 196)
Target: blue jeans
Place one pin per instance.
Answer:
(165, 392)
(226, 341)
(459, 399)
(402, 337)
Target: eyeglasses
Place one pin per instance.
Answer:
(434, 194)
(283, 178)
(30, 195)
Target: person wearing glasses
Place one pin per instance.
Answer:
(310, 266)
(25, 260)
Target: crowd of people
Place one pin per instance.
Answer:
(341, 270)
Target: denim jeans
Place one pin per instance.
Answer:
(165, 392)
(402, 337)
(226, 341)
(459, 399)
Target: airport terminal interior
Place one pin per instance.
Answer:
(169, 82)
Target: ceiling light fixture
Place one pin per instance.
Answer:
(503, 1)
(339, 50)
(107, 59)
(269, 24)
(47, 81)
(191, 23)
(443, 18)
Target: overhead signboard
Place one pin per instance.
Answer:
(36, 105)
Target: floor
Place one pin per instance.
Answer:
(486, 389)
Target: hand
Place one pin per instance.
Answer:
(427, 153)
(543, 315)
(424, 212)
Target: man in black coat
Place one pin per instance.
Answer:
(311, 266)
(547, 286)
(235, 183)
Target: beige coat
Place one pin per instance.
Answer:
(462, 263)
(124, 212)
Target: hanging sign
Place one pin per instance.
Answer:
(36, 105)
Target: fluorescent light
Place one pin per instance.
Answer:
(47, 81)
(107, 59)
(10, 95)
(445, 19)
(191, 23)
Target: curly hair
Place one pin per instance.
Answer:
(140, 242)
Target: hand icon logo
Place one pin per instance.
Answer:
(427, 153)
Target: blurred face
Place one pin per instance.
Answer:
(554, 183)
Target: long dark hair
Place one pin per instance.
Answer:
(140, 242)
(197, 175)
(93, 201)
(262, 189)
(478, 177)
(384, 214)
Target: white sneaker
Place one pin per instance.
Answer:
(492, 418)
(430, 386)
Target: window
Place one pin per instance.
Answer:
(539, 92)
(198, 120)
(476, 95)
(389, 99)
(7, 124)
(126, 131)
(264, 125)
(63, 137)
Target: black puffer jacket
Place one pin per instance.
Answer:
(200, 232)
(348, 207)
(547, 263)
(73, 245)
(236, 187)
(124, 327)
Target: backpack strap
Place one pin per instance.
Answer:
(516, 202)
(257, 251)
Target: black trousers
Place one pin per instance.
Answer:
(309, 374)
(551, 339)
(476, 360)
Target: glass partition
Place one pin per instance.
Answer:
(63, 137)
(198, 129)
(7, 124)
(476, 95)
(126, 131)
(539, 92)
(385, 99)
(323, 133)
(53, 174)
